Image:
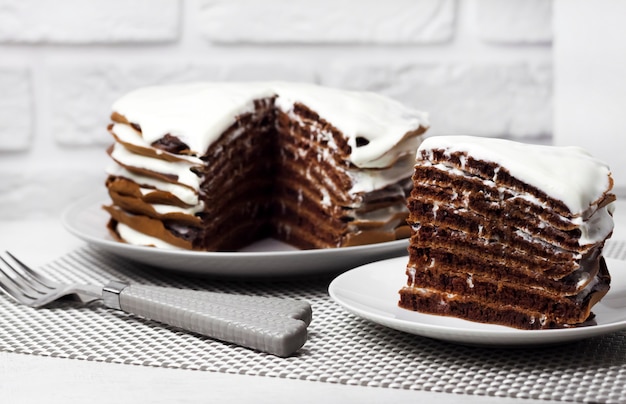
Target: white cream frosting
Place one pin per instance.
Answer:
(380, 120)
(569, 174)
(198, 113)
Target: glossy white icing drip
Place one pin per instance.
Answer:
(598, 227)
(569, 174)
(198, 113)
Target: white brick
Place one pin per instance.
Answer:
(507, 100)
(94, 21)
(328, 21)
(81, 96)
(263, 71)
(16, 109)
(513, 21)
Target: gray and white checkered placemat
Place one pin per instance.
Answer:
(341, 348)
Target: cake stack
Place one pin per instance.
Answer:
(507, 233)
(216, 166)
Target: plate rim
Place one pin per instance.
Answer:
(506, 336)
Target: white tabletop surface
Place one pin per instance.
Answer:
(38, 379)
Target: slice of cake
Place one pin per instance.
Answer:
(216, 166)
(507, 233)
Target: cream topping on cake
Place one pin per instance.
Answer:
(569, 174)
(198, 113)
(379, 120)
(596, 228)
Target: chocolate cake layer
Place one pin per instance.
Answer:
(507, 233)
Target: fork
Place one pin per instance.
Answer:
(273, 325)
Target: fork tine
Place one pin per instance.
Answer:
(42, 280)
(14, 288)
(25, 278)
(22, 280)
(14, 293)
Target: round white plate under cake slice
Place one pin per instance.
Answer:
(371, 292)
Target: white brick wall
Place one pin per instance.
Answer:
(16, 109)
(89, 22)
(478, 66)
(591, 86)
(328, 21)
(527, 22)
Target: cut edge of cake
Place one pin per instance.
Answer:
(507, 233)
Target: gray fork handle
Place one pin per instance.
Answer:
(265, 324)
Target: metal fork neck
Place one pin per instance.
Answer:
(111, 294)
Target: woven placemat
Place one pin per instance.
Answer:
(341, 348)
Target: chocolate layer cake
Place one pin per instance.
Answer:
(216, 166)
(507, 233)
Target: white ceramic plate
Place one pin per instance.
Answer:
(371, 292)
(87, 220)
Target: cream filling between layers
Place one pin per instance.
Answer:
(594, 230)
(383, 218)
(181, 170)
(134, 237)
(185, 194)
(165, 209)
(411, 272)
(369, 180)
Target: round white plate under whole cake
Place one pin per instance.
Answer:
(87, 220)
(371, 292)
